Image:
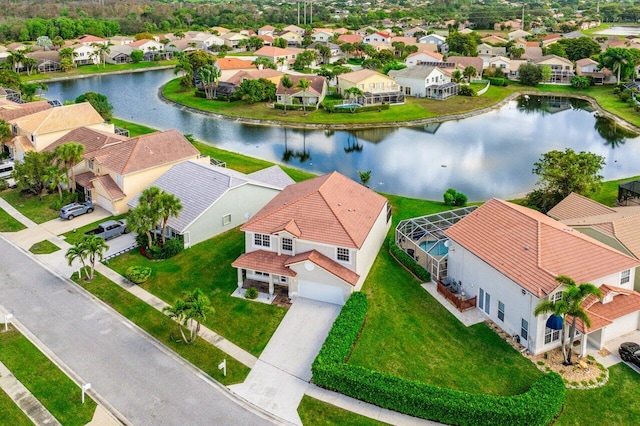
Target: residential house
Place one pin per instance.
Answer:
(230, 65)
(364, 31)
(88, 40)
(232, 84)
(294, 29)
(267, 40)
(618, 227)
(215, 199)
(377, 37)
(85, 55)
(314, 95)
(487, 51)
(121, 40)
(322, 35)
(350, 38)
(412, 31)
(293, 39)
(425, 81)
(120, 54)
(11, 110)
(377, 87)
(204, 40)
(46, 60)
(561, 68)
(219, 30)
(550, 39)
(115, 169)
(266, 30)
(318, 238)
(283, 58)
(232, 39)
(463, 62)
(36, 131)
(334, 56)
(509, 256)
(422, 57)
(436, 39)
(513, 24)
(408, 41)
(501, 62)
(587, 67)
(513, 35)
(494, 39)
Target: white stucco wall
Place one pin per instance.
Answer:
(369, 250)
(318, 275)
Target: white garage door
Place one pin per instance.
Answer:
(104, 202)
(321, 292)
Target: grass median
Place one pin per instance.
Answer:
(8, 223)
(319, 413)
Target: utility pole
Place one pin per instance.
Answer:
(522, 15)
(298, 3)
(305, 11)
(311, 5)
(598, 7)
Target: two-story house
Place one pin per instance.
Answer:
(421, 57)
(561, 69)
(376, 87)
(282, 58)
(377, 37)
(587, 67)
(425, 81)
(229, 66)
(318, 238)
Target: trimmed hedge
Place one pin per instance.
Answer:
(408, 262)
(538, 406)
(138, 274)
(498, 81)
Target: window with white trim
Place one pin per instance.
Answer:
(226, 219)
(287, 244)
(524, 330)
(263, 274)
(500, 311)
(343, 254)
(556, 297)
(551, 335)
(625, 276)
(262, 240)
(284, 279)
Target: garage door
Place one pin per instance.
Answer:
(321, 292)
(105, 203)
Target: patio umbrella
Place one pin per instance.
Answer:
(555, 322)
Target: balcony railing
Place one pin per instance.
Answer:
(456, 299)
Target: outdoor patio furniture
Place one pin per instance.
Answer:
(411, 252)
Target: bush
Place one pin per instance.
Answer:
(538, 406)
(251, 293)
(3, 184)
(498, 81)
(580, 82)
(170, 249)
(138, 274)
(67, 198)
(454, 198)
(408, 262)
(466, 90)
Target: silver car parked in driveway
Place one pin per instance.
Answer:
(75, 209)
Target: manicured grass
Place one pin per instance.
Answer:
(318, 413)
(44, 247)
(133, 128)
(11, 413)
(74, 237)
(608, 193)
(96, 69)
(411, 335)
(616, 403)
(202, 354)
(36, 209)
(8, 223)
(57, 392)
(208, 266)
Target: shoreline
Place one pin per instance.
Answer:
(98, 74)
(396, 124)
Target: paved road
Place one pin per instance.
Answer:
(142, 381)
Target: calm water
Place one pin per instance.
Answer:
(620, 31)
(486, 156)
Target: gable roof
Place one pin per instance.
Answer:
(14, 111)
(199, 186)
(237, 78)
(327, 264)
(330, 209)
(145, 152)
(435, 55)
(466, 61)
(358, 76)
(532, 249)
(231, 63)
(586, 61)
(602, 314)
(554, 57)
(350, 38)
(418, 72)
(576, 205)
(273, 51)
(65, 117)
(317, 84)
(93, 140)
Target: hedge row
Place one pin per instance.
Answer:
(498, 81)
(408, 262)
(538, 406)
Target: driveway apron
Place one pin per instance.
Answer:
(282, 374)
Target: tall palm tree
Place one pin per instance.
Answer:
(353, 93)
(16, 60)
(56, 178)
(569, 306)
(190, 311)
(70, 154)
(469, 72)
(209, 76)
(287, 84)
(142, 221)
(303, 84)
(95, 248)
(168, 205)
(365, 176)
(103, 51)
(74, 252)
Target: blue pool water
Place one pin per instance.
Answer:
(347, 106)
(434, 248)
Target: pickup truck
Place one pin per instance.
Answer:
(110, 229)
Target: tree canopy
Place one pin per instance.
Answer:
(530, 74)
(99, 102)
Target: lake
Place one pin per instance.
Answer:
(619, 31)
(486, 156)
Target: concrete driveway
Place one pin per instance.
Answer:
(281, 376)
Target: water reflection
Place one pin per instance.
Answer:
(485, 156)
(613, 134)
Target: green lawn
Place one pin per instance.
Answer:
(208, 266)
(8, 223)
(616, 403)
(44, 247)
(608, 193)
(95, 69)
(11, 413)
(318, 413)
(57, 392)
(133, 128)
(202, 354)
(74, 237)
(36, 209)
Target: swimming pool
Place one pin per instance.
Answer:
(434, 248)
(345, 106)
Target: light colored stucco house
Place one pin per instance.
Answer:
(318, 238)
(561, 68)
(283, 58)
(322, 36)
(425, 81)
(508, 256)
(367, 81)
(377, 37)
(436, 40)
(36, 131)
(587, 67)
(215, 199)
(421, 57)
(85, 54)
(314, 95)
(292, 38)
(230, 66)
(147, 46)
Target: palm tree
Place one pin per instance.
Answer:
(353, 93)
(209, 76)
(365, 177)
(347, 48)
(456, 76)
(190, 311)
(168, 205)
(70, 154)
(94, 247)
(103, 51)
(469, 72)
(287, 84)
(616, 59)
(16, 60)
(569, 305)
(303, 84)
(141, 221)
(74, 252)
(56, 178)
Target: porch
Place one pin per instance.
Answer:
(454, 293)
(629, 193)
(280, 295)
(442, 91)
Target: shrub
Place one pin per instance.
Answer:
(251, 293)
(454, 198)
(408, 262)
(332, 108)
(580, 82)
(3, 184)
(498, 81)
(466, 90)
(67, 198)
(538, 406)
(138, 274)
(170, 249)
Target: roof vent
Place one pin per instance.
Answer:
(526, 247)
(339, 204)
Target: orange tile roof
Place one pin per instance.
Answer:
(327, 264)
(532, 249)
(232, 63)
(316, 84)
(139, 43)
(93, 140)
(24, 142)
(22, 110)
(264, 261)
(66, 117)
(330, 209)
(358, 76)
(575, 205)
(86, 179)
(601, 314)
(273, 51)
(350, 38)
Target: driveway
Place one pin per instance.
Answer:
(146, 383)
(281, 376)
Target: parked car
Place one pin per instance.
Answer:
(75, 209)
(110, 229)
(630, 352)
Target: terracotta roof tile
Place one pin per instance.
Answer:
(350, 38)
(575, 205)
(327, 264)
(317, 84)
(265, 261)
(232, 63)
(86, 179)
(532, 249)
(93, 140)
(22, 110)
(66, 117)
(331, 209)
(114, 191)
(601, 314)
(273, 51)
